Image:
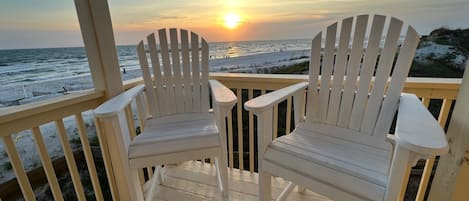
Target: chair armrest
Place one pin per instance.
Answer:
(417, 129)
(261, 103)
(222, 96)
(116, 104)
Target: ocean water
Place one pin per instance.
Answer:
(25, 66)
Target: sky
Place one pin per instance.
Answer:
(53, 23)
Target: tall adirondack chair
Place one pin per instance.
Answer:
(341, 147)
(179, 126)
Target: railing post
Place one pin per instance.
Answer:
(96, 28)
(448, 184)
(100, 46)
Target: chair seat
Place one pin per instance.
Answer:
(175, 133)
(354, 168)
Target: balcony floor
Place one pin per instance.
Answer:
(197, 181)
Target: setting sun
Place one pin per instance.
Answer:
(232, 20)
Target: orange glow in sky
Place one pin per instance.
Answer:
(55, 23)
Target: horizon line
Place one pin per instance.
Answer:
(58, 47)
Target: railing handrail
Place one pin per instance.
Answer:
(37, 113)
(435, 87)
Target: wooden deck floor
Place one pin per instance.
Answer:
(197, 181)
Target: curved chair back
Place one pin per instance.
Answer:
(180, 72)
(348, 96)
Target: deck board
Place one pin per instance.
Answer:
(196, 181)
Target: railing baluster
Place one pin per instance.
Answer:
(47, 164)
(251, 134)
(275, 126)
(288, 120)
(72, 166)
(426, 101)
(444, 112)
(141, 111)
(239, 95)
(89, 157)
(427, 171)
(18, 167)
(230, 139)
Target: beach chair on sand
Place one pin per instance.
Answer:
(341, 147)
(180, 126)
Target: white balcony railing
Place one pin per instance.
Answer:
(439, 93)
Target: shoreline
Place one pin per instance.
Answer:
(20, 94)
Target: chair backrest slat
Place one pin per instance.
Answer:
(381, 77)
(176, 70)
(195, 71)
(353, 67)
(326, 71)
(366, 72)
(347, 97)
(168, 75)
(204, 85)
(157, 74)
(182, 87)
(399, 74)
(151, 96)
(314, 65)
(339, 70)
(186, 71)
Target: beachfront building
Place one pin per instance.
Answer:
(195, 180)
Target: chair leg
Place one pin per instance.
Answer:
(159, 174)
(136, 183)
(399, 171)
(151, 191)
(265, 180)
(301, 189)
(220, 163)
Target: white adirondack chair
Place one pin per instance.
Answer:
(179, 126)
(341, 148)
